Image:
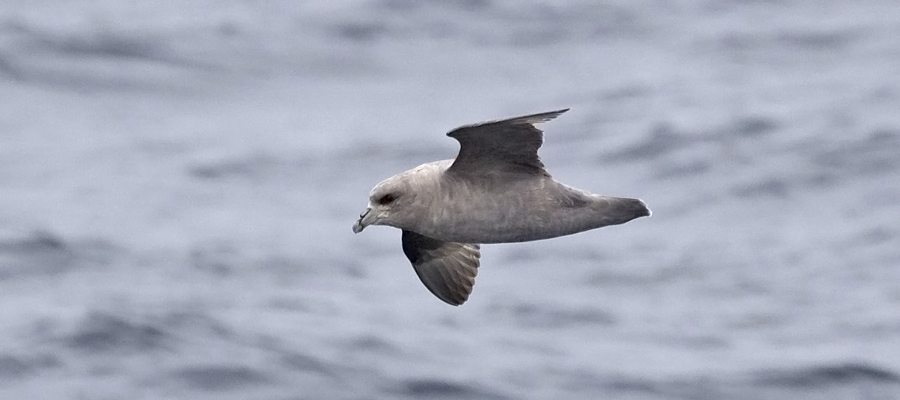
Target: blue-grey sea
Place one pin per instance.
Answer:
(178, 182)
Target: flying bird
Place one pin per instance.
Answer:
(495, 191)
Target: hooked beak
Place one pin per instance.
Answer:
(365, 219)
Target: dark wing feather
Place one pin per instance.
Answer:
(447, 269)
(508, 145)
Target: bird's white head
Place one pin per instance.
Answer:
(400, 200)
(384, 200)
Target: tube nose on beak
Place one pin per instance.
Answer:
(362, 222)
(358, 226)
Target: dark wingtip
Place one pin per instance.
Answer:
(539, 117)
(525, 119)
(452, 299)
(455, 303)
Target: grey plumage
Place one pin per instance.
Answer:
(508, 146)
(495, 191)
(447, 269)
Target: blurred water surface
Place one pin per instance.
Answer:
(179, 181)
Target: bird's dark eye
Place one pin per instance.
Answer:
(386, 199)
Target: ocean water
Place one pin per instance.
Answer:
(178, 181)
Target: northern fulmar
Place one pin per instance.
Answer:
(496, 191)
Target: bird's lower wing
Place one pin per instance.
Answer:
(447, 269)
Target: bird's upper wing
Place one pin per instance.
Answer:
(508, 145)
(447, 269)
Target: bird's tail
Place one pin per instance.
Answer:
(619, 210)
